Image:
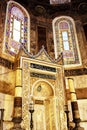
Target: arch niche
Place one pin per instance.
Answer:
(43, 95)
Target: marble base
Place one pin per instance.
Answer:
(17, 127)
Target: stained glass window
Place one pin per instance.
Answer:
(17, 28)
(65, 40)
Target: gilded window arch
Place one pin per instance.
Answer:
(16, 29)
(65, 40)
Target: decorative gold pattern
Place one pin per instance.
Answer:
(51, 93)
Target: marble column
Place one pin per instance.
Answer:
(17, 115)
(74, 104)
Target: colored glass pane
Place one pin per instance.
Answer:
(64, 35)
(66, 45)
(16, 35)
(17, 25)
(65, 40)
(16, 30)
(17, 12)
(63, 25)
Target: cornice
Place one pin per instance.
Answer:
(76, 72)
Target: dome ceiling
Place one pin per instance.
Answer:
(43, 7)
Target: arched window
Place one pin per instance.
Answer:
(65, 40)
(16, 29)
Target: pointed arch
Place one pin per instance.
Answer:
(65, 40)
(17, 29)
